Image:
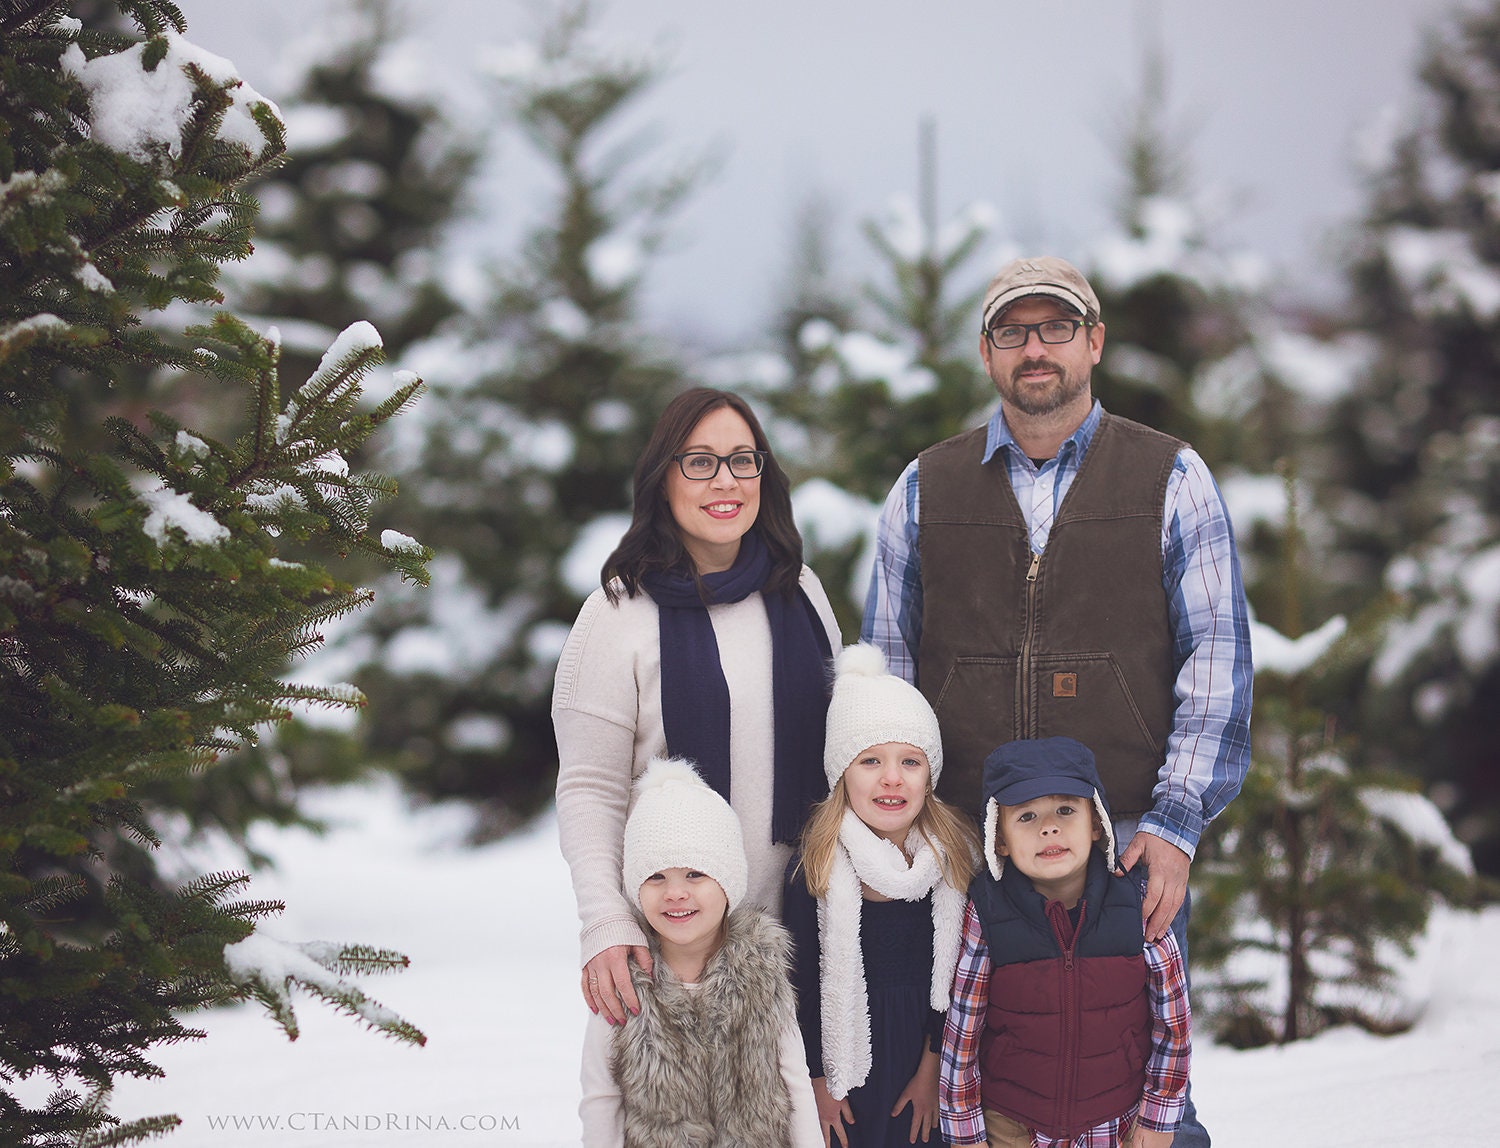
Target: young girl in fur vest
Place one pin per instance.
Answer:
(714, 1059)
(875, 906)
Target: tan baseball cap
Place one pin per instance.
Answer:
(1039, 275)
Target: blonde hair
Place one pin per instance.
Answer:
(943, 826)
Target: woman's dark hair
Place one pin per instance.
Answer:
(654, 541)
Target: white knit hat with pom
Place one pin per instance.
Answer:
(678, 822)
(871, 706)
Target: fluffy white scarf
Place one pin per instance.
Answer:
(866, 857)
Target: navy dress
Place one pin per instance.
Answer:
(896, 940)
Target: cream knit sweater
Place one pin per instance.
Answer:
(606, 710)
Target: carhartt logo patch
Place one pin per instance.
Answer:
(1065, 685)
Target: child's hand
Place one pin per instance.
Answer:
(1138, 1137)
(832, 1113)
(921, 1092)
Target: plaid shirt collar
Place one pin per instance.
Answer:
(1074, 447)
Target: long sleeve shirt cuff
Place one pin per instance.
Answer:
(1162, 1113)
(1176, 822)
(963, 1128)
(611, 931)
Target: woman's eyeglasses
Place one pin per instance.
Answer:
(700, 466)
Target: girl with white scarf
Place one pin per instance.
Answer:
(875, 905)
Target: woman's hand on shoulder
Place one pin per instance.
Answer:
(606, 982)
(832, 1113)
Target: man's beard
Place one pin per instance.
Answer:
(1066, 386)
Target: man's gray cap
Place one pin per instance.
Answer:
(1039, 275)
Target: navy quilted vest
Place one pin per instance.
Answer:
(1067, 1032)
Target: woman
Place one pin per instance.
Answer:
(709, 640)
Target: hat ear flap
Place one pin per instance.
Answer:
(1108, 830)
(991, 838)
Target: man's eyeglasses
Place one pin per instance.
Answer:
(1009, 336)
(700, 466)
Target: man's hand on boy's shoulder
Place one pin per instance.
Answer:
(1166, 886)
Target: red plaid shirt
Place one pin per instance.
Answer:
(1160, 1108)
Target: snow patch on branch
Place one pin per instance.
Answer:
(868, 359)
(32, 325)
(1319, 370)
(190, 445)
(396, 541)
(274, 965)
(1421, 821)
(614, 261)
(355, 339)
(1272, 651)
(170, 510)
(580, 566)
(1443, 272)
(93, 279)
(141, 114)
(272, 499)
(831, 518)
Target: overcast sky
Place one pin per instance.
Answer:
(825, 97)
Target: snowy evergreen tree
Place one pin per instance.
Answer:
(1196, 347)
(521, 478)
(1176, 307)
(348, 231)
(1415, 439)
(146, 611)
(864, 384)
(908, 375)
(374, 174)
(812, 292)
(1321, 872)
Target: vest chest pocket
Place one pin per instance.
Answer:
(1086, 696)
(976, 709)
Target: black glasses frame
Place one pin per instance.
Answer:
(719, 461)
(1074, 324)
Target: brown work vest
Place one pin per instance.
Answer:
(1074, 642)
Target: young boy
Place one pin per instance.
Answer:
(1066, 1028)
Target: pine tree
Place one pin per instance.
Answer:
(909, 375)
(349, 229)
(146, 613)
(868, 383)
(521, 480)
(1321, 871)
(1175, 307)
(812, 292)
(350, 222)
(1415, 438)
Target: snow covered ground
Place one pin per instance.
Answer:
(493, 983)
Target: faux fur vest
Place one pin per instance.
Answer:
(702, 1068)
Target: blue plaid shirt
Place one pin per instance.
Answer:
(1208, 750)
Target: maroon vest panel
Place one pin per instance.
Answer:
(1076, 642)
(1065, 1049)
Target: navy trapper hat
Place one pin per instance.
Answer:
(1022, 771)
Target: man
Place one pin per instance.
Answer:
(1062, 572)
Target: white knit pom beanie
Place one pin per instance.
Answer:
(678, 822)
(871, 706)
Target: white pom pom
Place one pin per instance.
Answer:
(663, 771)
(862, 660)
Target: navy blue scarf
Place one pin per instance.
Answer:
(695, 696)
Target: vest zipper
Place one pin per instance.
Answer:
(1024, 684)
(1067, 1062)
